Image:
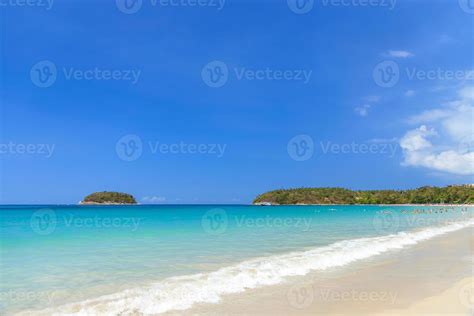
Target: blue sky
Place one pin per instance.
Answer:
(319, 94)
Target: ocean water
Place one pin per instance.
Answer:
(109, 260)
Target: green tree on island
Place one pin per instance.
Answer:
(109, 198)
(455, 194)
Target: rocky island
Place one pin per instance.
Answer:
(109, 198)
(453, 194)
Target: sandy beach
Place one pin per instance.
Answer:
(432, 278)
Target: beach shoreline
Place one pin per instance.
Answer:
(345, 262)
(435, 276)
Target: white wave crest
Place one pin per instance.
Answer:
(180, 293)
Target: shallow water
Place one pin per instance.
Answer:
(56, 255)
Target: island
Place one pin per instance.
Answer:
(453, 194)
(108, 198)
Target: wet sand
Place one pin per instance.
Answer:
(434, 277)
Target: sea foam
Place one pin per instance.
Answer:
(180, 293)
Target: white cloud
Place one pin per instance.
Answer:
(454, 133)
(415, 140)
(429, 116)
(459, 124)
(447, 161)
(362, 110)
(456, 117)
(419, 151)
(410, 93)
(153, 199)
(400, 53)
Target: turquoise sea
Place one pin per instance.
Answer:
(146, 259)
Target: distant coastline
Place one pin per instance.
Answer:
(454, 195)
(302, 204)
(320, 204)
